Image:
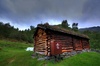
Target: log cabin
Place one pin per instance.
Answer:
(52, 40)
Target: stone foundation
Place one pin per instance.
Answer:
(63, 55)
(72, 53)
(95, 50)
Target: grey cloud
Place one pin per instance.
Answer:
(41, 9)
(35, 11)
(91, 11)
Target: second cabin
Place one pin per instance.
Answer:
(52, 40)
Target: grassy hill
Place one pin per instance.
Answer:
(14, 54)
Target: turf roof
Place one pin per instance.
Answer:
(62, 30)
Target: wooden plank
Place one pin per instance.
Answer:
(39, 45)
(42, 42)
(39, 49)
(67, 50)
(78, 49)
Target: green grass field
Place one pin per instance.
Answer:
(14, 54)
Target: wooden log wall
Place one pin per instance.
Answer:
(77, 43)
(85, 44)
(65, 41)
(48, 45)
(69, 43)
(41, 41)
(48, 49)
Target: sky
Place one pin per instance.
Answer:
(24, 13)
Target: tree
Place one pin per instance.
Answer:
(75, 26)
(65, 24)
(32, 27)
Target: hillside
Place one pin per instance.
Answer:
(95, 29)
(14, 54)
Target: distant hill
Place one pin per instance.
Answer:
(95, 29)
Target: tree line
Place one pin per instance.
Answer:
(9, 32)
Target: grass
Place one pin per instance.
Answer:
(84, 59)
(14, 54)
(16, 45)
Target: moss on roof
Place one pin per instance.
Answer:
(62, 30)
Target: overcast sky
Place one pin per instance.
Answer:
(23, 13)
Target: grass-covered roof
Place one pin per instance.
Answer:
(62, 30)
